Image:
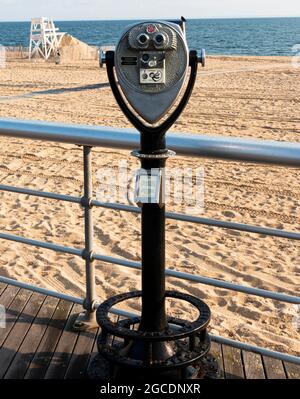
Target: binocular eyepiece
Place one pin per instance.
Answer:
(143, 39)
(159, 40)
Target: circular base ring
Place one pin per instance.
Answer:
(186, 328)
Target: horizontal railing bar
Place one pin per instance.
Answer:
(42, 194)
(41, 244)
(256, 349)
(174, 216)
(172, 273)
(208, 222)
(206, 281)
(235, 287)
(235, 226)
(230, 342)
(116, 207)
(40, 290)
(217, 147)
(117, 261)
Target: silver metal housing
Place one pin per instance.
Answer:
(168, 67)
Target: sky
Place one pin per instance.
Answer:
(24, 10)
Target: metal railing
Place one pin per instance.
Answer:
(227, 148)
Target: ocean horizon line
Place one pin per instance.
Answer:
(169, 18)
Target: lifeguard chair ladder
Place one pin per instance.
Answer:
(45, 38)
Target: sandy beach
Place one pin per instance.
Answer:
(255, 97)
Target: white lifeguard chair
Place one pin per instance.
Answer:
(45, 38)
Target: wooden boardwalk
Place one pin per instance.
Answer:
(38, 343)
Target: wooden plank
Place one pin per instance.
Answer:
(31, 342)
(253, 366)
(38, 367)
(63, 352)
(2, 288)
(81, 355)
(94, 351)
(274, 368)
(233, 365)
(19, 331)
(216, 352)
(14, 306)
(292, 371)
(111, 340)
(8, 296)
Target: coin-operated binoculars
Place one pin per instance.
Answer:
(151, 63)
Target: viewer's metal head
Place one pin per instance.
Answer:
(151, 61)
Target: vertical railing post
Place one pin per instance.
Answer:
(87, 320)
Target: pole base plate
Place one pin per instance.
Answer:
(85, 321)
(103, 370)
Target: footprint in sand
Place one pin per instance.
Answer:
(229, 214)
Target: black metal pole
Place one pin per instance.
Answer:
(153, 241)
(153, 268)
(153, 319)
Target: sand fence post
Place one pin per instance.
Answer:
(87, 319)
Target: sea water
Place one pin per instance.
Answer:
(253, 36)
